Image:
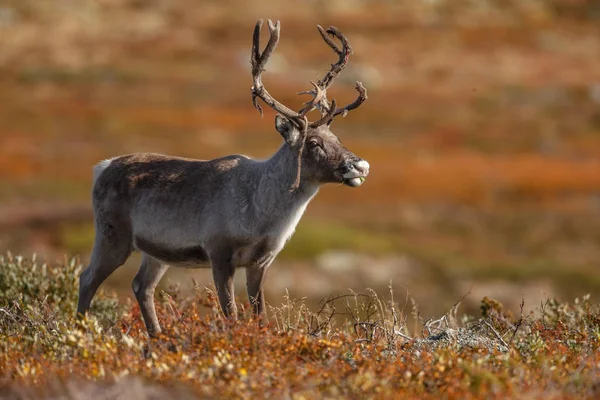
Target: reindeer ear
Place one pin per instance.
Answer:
(287, 129)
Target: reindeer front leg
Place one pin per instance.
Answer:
(144, 284)
(255, 277)
(223, 272)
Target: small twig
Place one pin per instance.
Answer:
(402, 335)
(365, 327)
(9, 314)
(495, 333)
(426, 327)
(519, 322)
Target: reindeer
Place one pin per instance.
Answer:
(224, 213)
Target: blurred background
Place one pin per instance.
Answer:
(482, 128)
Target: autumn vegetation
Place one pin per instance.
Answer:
(356, 345)
(481, 128)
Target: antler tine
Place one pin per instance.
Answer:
(258, 61)
(328, 40)
(343, 53)
(318, 95)
(328, 116)
(362, 96)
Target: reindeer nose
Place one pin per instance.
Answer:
(362, 166)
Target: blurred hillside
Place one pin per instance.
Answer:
(482, 129)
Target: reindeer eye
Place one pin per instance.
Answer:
(312, 144)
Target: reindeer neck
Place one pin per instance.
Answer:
(278, 174)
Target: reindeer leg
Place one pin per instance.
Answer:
(144, 285)
(255, 277)
(112, 247)
(223, 272)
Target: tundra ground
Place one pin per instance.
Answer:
(356, 345)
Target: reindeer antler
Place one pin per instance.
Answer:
(319, 93)
(328, 110)
(258, 61)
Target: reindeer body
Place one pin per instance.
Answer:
(224, 213)
(232, 204)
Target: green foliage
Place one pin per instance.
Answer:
(29, 282)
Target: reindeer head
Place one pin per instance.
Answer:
(324, 158)
(321, 158)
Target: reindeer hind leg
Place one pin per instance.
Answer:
(112, 247)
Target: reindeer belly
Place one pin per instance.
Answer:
(172, 238)
(191, 256)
